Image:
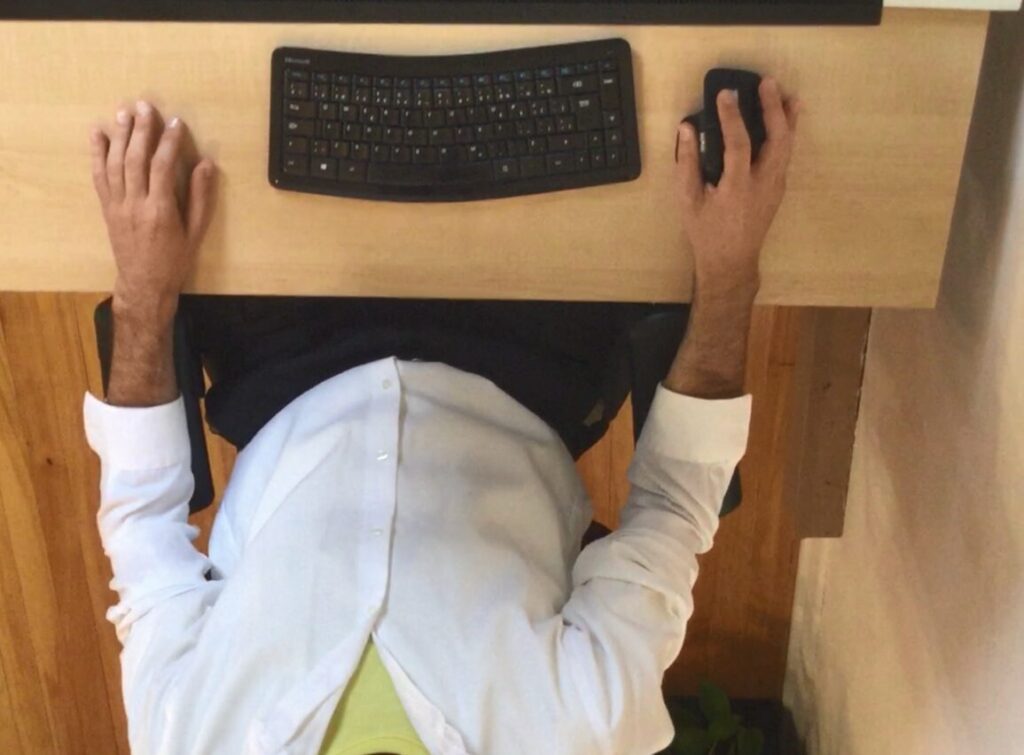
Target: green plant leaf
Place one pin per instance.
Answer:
(724, 728)
(684, 717)
(713, 702)
(749, 742)
(691, 741)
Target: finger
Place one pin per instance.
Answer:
(98, 146)
(691, 184)
(776, 148)
(115, 153)
(140, 150)
(793, 108)
(200, 200)
(163, 170)
(734, 137)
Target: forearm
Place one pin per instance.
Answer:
(712, 358)
(142, 365)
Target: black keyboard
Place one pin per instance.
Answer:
(454, 127)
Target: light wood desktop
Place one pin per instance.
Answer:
(865, 222)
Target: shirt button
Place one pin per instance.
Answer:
(386, 384)
(382, 455)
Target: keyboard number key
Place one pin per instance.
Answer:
(614, 157)
(613, 137)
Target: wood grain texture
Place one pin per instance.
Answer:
(59, 677)
(829, 371)
(865, 223)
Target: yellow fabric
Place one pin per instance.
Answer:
(370, 718)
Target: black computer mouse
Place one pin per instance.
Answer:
(708, 127)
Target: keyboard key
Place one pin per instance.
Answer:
(415, 136)
(582, 159)
(463, 81)
(429, 175)
(341, 94)
(597, 159)
(545, 125)
(322, 78)
(393, 135)
(321, 148)
(545, 88)
(424, 155)
(609, 91)
(352, 132)
(391, 116)
(532, 166)
(384, 82)
(476, 152)
(380, 153)
(505, 77)
(463, 134)
(504, 93)
(373, 133)
(525, 128)
(350, 170)
(526, 75)
(412, 118)
(536, 146)
(331, 129)
(296, 127)
(613, 137)
(360, 151)
(525, 90)
(296, 145)
(422, 83)
(361, 96)
(402, 98)
(447, 155)
(595, 139)
(506, 169)
(442, 136)
(538, 108)
(403, 82)
(562, 162)
(339, 148)
(434, 118)
(294, 74)
(300, 108)
(298, 90)
(381, 96)
(566, 70)
(577, 84)
(609, 64)
(327, 111)
(442, 82)
(482, 80)
(588, 116)
(516, 147)
(348, 113)
(296, 165)
(588, 67)
(324, 167)
(443, 98)
(497, 149)
(400, 154)
(362, 81)
(320, 91)
(565, 123)
(343, 79)
(545, 73)
(614, 157)
(369, 114)
(611, 120)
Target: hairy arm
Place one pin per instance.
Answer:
(154, 238)
(726, 226)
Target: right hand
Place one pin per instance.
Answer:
(726, 224)
(154, 239)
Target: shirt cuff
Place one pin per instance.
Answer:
(151, 437)
(705, 431)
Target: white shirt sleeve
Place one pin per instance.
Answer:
(145, 486)
(626, 618)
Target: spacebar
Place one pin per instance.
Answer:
(428, 175)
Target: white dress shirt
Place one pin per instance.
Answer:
(422, 506)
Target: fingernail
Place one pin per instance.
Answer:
(731, 95)
(685, 133)
(94, 134)
(174, 122)
(123, 117)
(143, 108)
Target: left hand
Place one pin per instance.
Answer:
(154, 239)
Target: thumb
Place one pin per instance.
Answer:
(200, 200)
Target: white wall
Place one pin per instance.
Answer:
(908, 633)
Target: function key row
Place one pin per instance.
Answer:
(445, 82)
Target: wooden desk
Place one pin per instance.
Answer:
(865, 223)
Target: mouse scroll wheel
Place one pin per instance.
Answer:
(703, 143)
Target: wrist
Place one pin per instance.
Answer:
(144, 310)
(736, 285)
